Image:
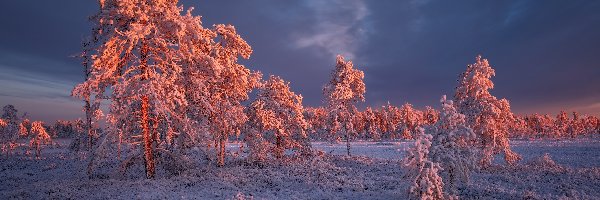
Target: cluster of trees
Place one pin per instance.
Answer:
(384, 123)
(546, 126)
(173, 84)
(470, 131)
(14, 128)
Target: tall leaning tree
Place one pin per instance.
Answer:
(344, 90)
(488, 116)
(135, 63)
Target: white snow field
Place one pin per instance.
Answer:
(570, 171)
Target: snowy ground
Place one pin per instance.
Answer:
(373, 172)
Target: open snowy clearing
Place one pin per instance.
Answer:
(373, 172)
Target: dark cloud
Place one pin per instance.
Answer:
(544, 52)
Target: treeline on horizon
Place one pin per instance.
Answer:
(387, 122)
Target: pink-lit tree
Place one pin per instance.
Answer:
(488, 116)
(430, 116)
(410, 119)
(391, 118)
(215, 83)
(316, 118)
(576, 126)
(10, 130)
(39, 137)
(371, 124)
(137, 58)
(344, 90)
(561, 124)
(277, 110)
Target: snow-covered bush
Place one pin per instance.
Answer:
(453, 146)
(424, 173)
(544, 162)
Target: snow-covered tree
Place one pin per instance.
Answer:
(410, 119)
(215, 82)
(561, 124)
(39, 137)
(137, 60)
(592, 124)
(391, 118)
(12, 121)
(488, 116)
(316, 118)
(576, 126)
(10, 131)
(430, 116)
(3, 123)
(359, 123)
(344, 90)
(371, 124)
(519, 127)
(24, 128)
(452, 146)
(63, 128)
(277, 110)
(424, 173)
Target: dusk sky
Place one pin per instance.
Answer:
(545, 53)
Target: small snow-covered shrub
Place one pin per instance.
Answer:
(544, 162)
(242, 196)
(426, 182)
(452, 146)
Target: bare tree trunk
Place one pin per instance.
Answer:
(88, 118)
(37, 149)
(348, 142)
(148, 151)
(119, 145)
(88, 108)
(278, 148)
(221, 152)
